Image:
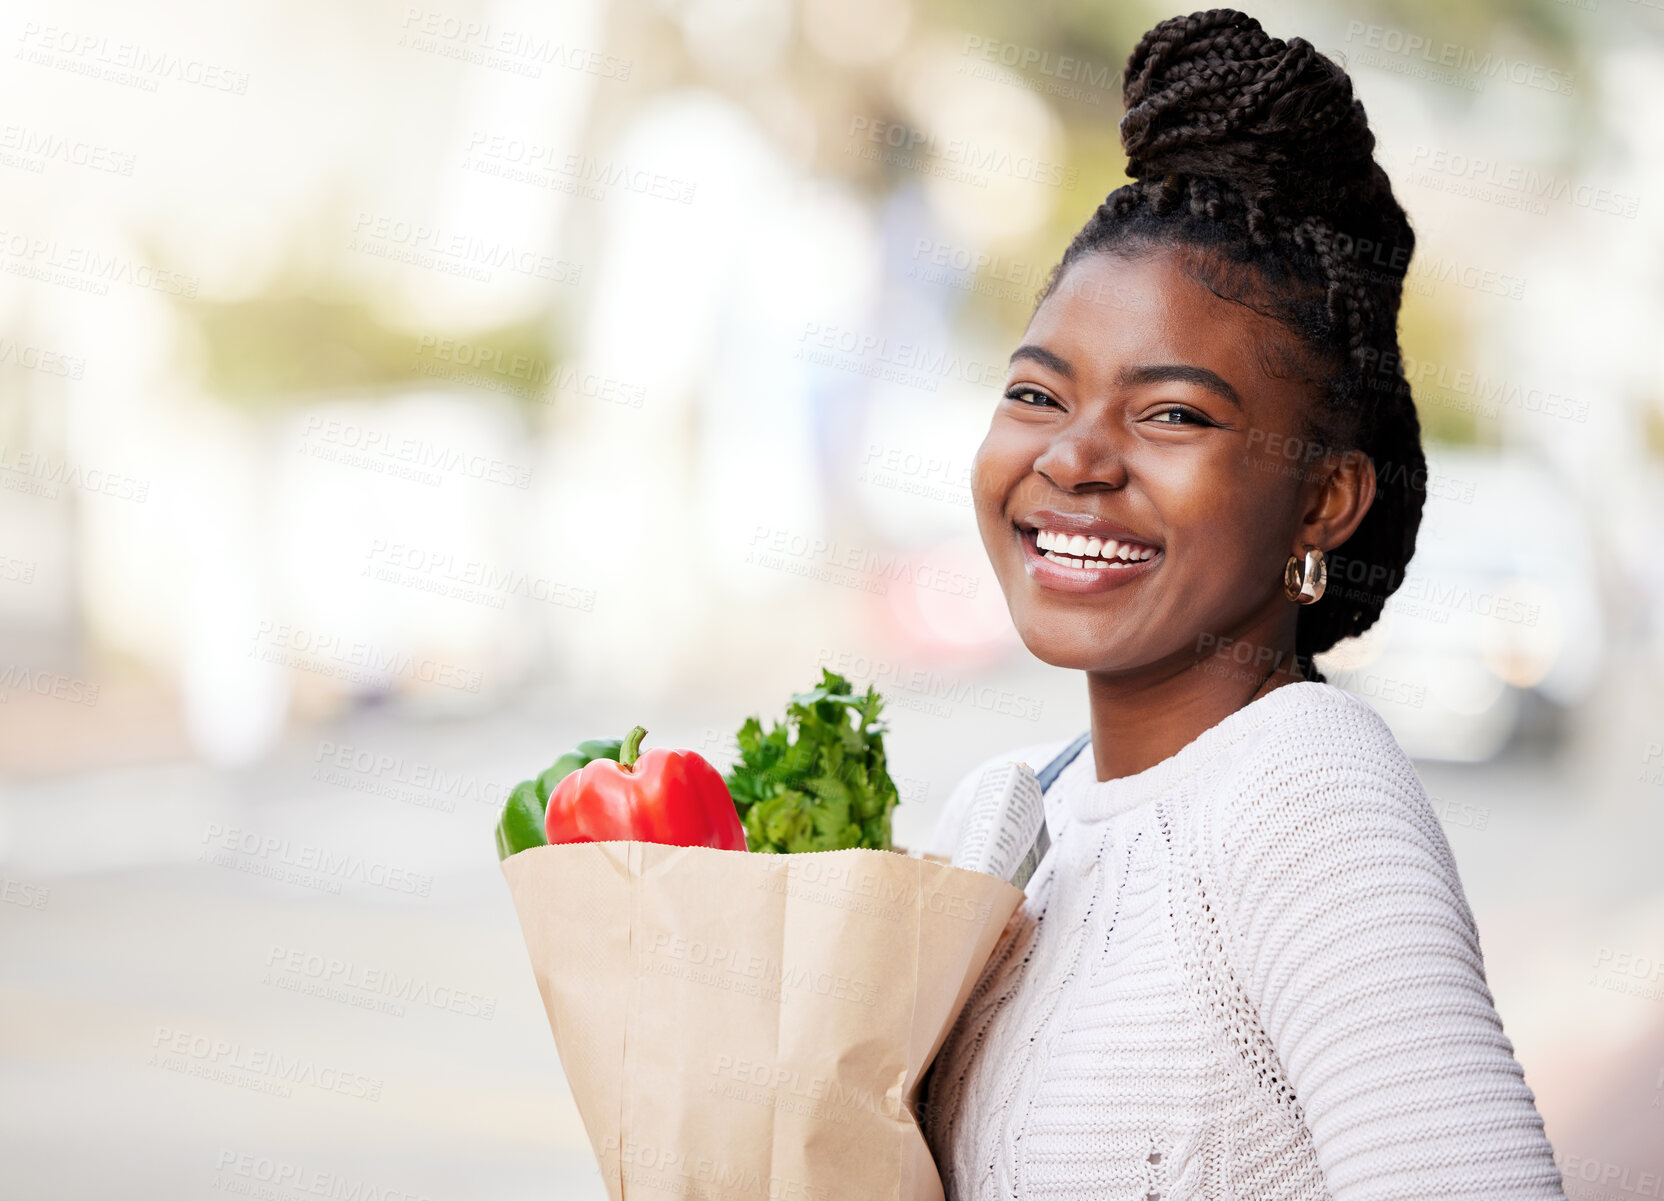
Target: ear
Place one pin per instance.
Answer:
(1337, 496)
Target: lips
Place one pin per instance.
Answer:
(1086, 525)
(1064, 573)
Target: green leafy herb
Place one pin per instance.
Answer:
(825, 789)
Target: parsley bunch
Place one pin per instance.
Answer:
(827, 788)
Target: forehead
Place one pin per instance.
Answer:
(1110, 311)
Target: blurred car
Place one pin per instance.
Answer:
(1499, 601)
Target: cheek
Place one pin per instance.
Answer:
(1234, 508)
(999, 464)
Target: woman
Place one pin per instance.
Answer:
(1246, 969)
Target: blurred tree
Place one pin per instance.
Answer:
(292, 340)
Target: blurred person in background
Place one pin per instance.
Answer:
(1247, 967)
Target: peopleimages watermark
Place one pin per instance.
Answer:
(928, 690)
(502, 48)
(962, 159)
(1630, 972)
(826, 559)
(42, 359)
(1376, 687)
(748, 972)
(518, 373)
(1460, 813)
(1512, 185)
(1434, 600)
(130, 64)
(452, 253)
(352, 660)
(258, 1068)
(935, 477)
(36, 474)
(306, 864)
(1432, 269)
(268, 1178)
(362, 986)
(1291, 454)
(84, 269)
(1626, 1181)
(676, 1172)
(820, 1097)
(39, 681)
(858, 888)
(1451, 62)
(980, 271)
(884, 358)
(1469, 390)
(413, 781)
(24, 895)
(33, 150)
(1064, 76)
(354, 444)
(442, 573)
(521, 160)
(1654, 755)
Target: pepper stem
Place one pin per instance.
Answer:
(632, 746)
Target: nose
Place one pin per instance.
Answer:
(1082, 457)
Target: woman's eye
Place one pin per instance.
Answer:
(1177, 416)
(1029, 396)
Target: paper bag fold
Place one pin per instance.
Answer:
(753, 1026)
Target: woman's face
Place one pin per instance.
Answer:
(1138, 410)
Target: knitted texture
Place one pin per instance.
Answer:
(1248, 972)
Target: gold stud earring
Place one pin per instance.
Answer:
(1304, 587)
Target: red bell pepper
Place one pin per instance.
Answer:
(659, 795)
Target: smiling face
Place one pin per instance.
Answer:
(1139, 409)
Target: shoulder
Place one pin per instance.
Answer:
(1321, 781)
(1318, 733)
(946, 831)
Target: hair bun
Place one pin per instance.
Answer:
(1212, 94)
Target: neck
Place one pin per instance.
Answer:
(1151, 713)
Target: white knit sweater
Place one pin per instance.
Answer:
(1248, 972)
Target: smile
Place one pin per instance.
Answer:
(1091, 554)
(1060, 561)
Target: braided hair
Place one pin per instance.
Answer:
(1252, 154)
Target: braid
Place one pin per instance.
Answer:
(1255, 151)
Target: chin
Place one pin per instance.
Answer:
(1057, 645)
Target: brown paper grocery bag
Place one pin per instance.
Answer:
(753, 1026)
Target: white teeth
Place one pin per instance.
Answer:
(1085, 564)
(1077, 550)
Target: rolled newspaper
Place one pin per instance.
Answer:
(1004, 829)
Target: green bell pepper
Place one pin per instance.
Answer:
(520, 825)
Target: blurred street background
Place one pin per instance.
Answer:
(393, 394)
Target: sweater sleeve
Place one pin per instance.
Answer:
(1346, 925)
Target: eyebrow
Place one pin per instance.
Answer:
(1153, 373)
(1045, 358)
(1183, 373)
